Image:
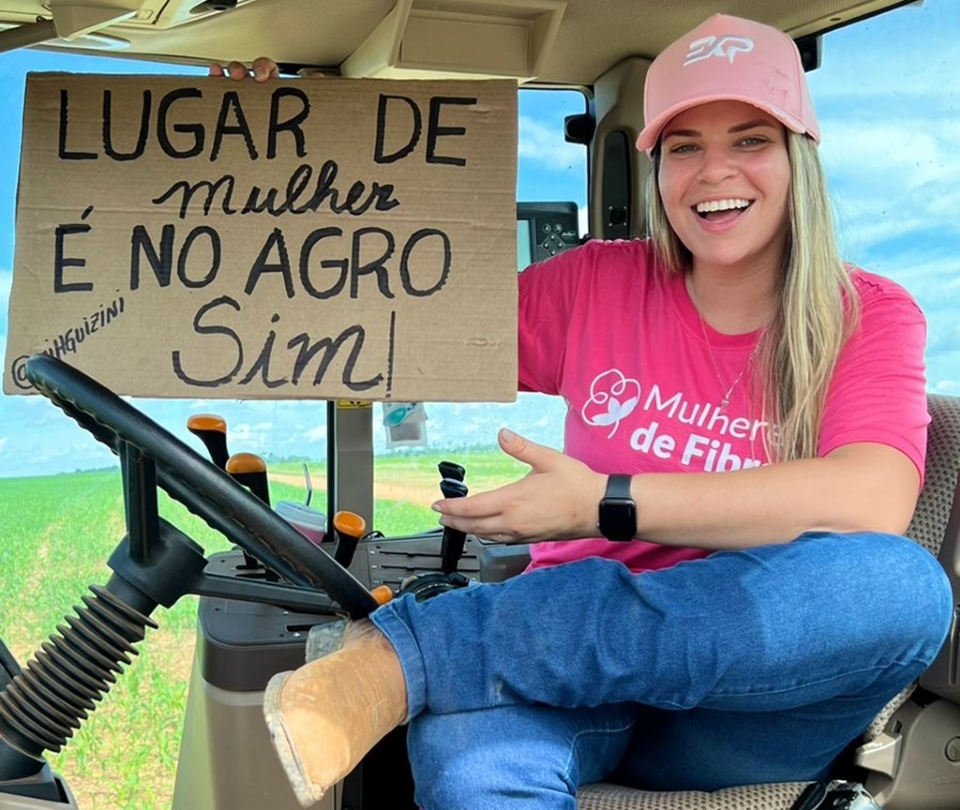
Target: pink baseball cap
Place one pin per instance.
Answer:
(728, 59)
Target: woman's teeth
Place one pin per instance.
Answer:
(721, 205)
(713, 206)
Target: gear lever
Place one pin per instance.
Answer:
(250, 471)
(450, 470)
(212, 431)
(348, 527)
(451, 547)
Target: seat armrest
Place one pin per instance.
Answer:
(499, 562)
(943, 676)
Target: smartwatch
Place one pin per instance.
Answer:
(618, 510)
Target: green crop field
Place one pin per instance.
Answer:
(56, 534)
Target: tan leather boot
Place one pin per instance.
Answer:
(325, 716)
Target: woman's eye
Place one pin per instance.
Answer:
(753, 140)
(682, 148)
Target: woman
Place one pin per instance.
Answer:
(724, 629)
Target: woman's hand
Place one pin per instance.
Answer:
(556, 500)
(264, 68)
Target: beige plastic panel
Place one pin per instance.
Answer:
(592, 37)
(454, 38)
(227, 761)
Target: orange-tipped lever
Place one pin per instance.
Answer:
(348, 527)
(382, 594)
(250, 470)
(212, 431)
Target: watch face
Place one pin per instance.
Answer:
(618, 518)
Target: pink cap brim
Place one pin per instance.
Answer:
(651, 132)
(728, 59)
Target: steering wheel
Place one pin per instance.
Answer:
(199, 485)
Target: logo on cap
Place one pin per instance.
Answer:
(724, 47)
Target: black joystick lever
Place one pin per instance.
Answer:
(451, 547)
(450, 470)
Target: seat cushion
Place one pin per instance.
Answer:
(779, 796)
(943, 460)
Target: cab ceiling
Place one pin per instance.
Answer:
(593, 35)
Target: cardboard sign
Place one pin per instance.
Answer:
(312, 238)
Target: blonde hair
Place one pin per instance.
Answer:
(817, 308)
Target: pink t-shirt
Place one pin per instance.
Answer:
(644, 378)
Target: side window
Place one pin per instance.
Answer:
(409, 443)
(887, 96)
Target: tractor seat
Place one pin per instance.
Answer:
(911, 752)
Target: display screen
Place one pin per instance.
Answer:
(524, 244)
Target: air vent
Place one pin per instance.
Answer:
(459, 39)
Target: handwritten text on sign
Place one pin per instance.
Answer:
(308, 238)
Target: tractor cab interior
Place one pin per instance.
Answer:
(259, 601)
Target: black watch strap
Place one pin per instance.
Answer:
(618, 486)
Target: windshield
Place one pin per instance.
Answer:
(889, 118)
(890, 126)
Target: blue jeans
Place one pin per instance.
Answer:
(744, 667)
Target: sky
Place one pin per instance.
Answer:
(888, 98)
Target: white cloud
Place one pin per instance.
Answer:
(539, 143)
(888, 106)
(34, 458)
(948, 387)
(316, 434)
(893, 182)
(908, 55)
(928, 266)
(251, 437)
(891, 165)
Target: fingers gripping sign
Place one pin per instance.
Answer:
(556, 500)
(263, 68)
